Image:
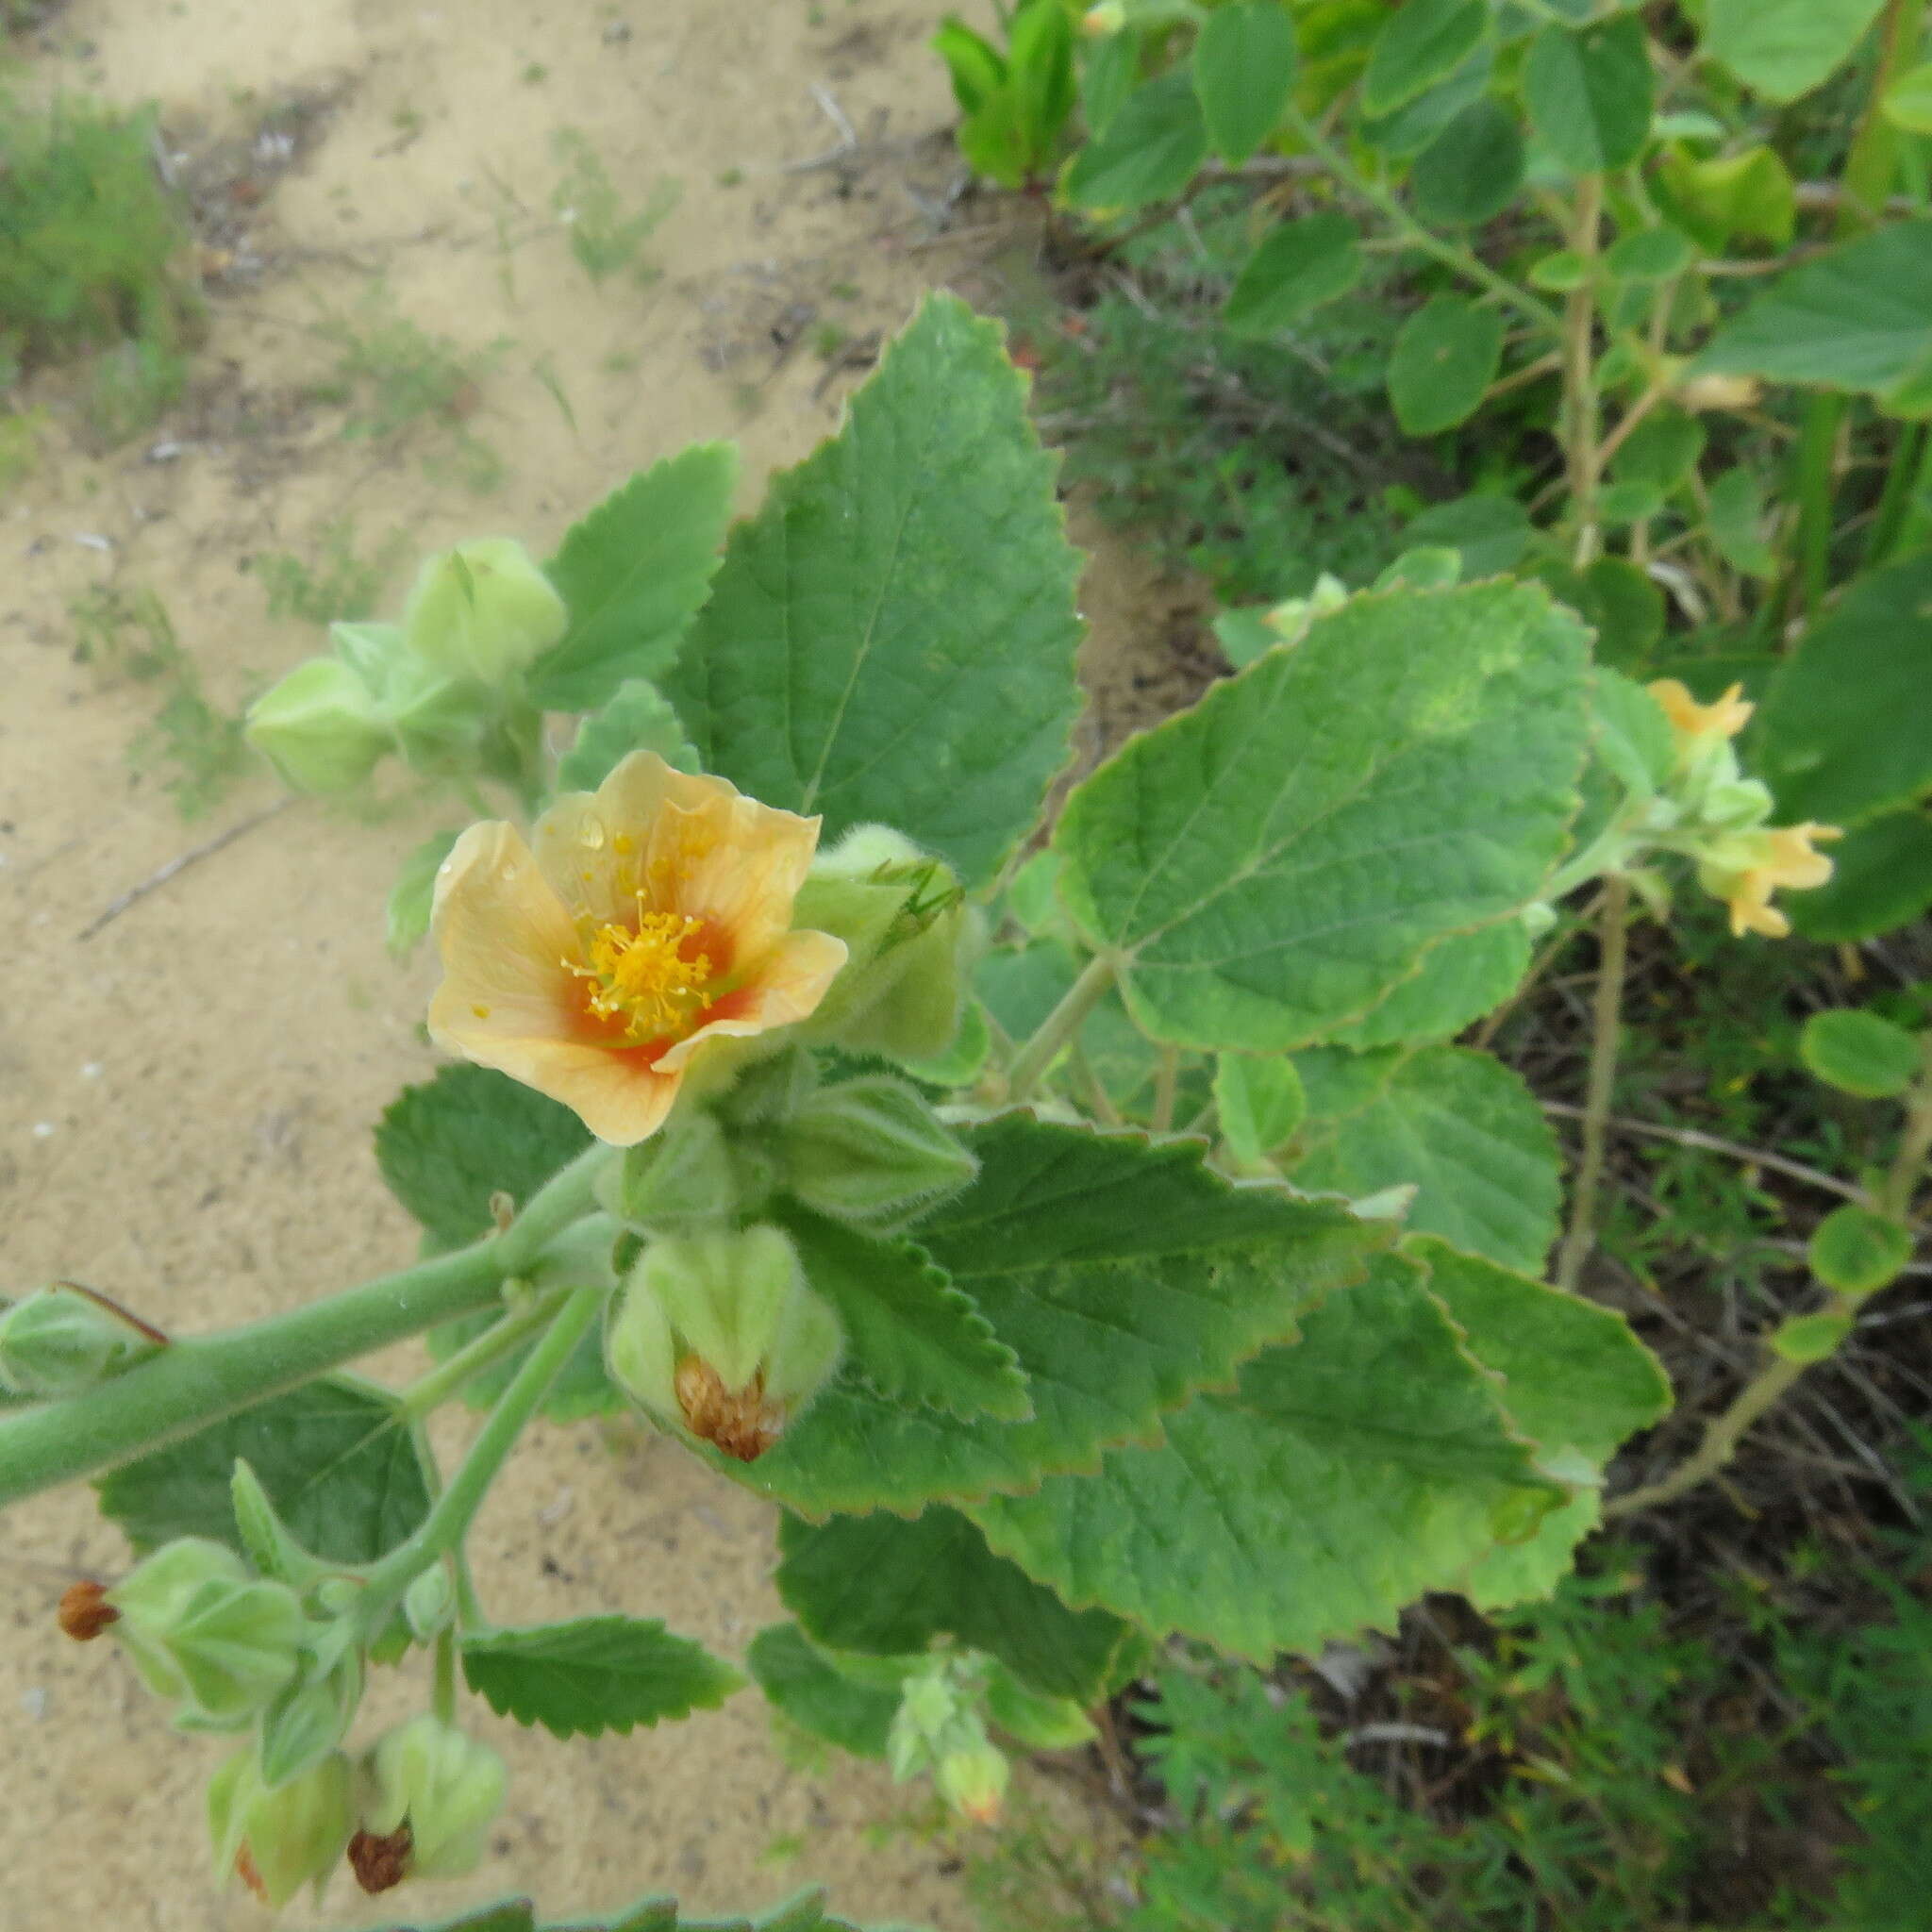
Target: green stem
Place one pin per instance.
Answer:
(443, 1529)
(1580, 421)
(1909, 456)
(1059, 1028)
(1607, 1025)
(1463, 260)
(1167, 1068)
(430, 1391)
(197, 1381)
(1914, 1149)
(442, 1698)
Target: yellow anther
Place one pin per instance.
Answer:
(642, 978)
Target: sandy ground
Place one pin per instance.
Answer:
(186, 1097)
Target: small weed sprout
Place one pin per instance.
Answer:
(338, 583)
(603, 235)
(128, 634)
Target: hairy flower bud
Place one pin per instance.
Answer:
(277, 1837)
(720, 1334)
(906, 932)
(446, 1789)
(313, 1715)
(939, 1728)
(683, 1179)
(319, 727)
(872, 1152)
(203, 1631)
(429, 1602)
(61, 1339)
(483, 609)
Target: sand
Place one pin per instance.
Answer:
(186, 1096)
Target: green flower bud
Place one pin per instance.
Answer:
(271, 1543)
(445, 1787)
(440, 723)
(939, 1728)
(428, 1601)
(681, 1180)
(313, 1716)
(973, 1780)
(906, 932)
(202, 1630)
(277, 1839)
(319, 727)
(1034, 1719)
(771, 1091)
(872, 1152)
(718, 1334)
(483, 609)
(1736, 804)
(61, 1339)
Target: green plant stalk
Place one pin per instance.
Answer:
(1772, 1383)
(1606, 1026)
(1463, 260)
(1167, 1068)
(442, 1696)
(447, 1378)
(1866, 181)
(1581, 419)
(1059, 1027)
(193, 1382)
(1902, 482)
(448, 1521)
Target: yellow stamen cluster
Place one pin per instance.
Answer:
(644, 978)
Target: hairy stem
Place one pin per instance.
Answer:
(430, 1391)
(1058, 1028)
(1606, 1030)
(197, 1381)
(1167, 1068)
(443, 1529)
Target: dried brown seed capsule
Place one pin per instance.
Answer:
(381, 1863)
(740, 1423)
(85, 1610)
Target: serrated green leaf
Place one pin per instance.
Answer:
(1275, 861)
(637, 717)
(1468, 975)
(1148, 151)
(811, 1689)
(595, 1674)
(1123, 1276)
(1243, 73)
(1881, 878)
(1444, 359)
(856, 643)
(1473, 169)
(1298, 267)
(1421, 43)
(503, 1915)
(1857, 317)
(1858, 1252)
(1784, 48)
(1574, 1379)
(337, 1459)
(1261, 1103)
(1346, 1474)
(884, 1585)
(633, 573)
(1842, 734)
(1464, 1131)
(909, 1330)
(1861, 1053)
(1589, 92)
(447, 1146)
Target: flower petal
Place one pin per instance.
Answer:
(504, 939)
(786, 987)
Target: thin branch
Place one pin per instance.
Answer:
(207, 849)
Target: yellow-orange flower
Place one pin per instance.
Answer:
(650, 924)
(1724, 719)
(1778, 855)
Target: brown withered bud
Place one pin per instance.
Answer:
(85, 1610)
(741, 1422)
(381, 1863)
